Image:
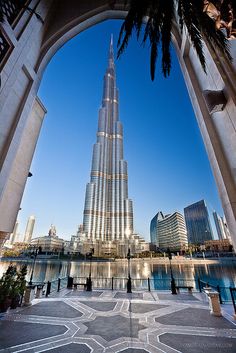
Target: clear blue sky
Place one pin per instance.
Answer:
(167, 162)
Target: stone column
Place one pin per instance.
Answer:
(39, 291)
(29, 295)
(214, 302)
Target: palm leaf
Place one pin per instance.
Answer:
(154, 18)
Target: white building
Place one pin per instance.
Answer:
(29, 229)
(169, 231)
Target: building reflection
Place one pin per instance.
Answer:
(141, 270)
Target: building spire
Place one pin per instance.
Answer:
(111, 54)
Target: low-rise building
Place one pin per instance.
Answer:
(218, 245)
(50, 243)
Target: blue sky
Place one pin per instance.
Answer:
(167, 162)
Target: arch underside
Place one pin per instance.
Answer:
(33, 45)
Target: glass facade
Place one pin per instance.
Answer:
(168, 231)
(220, 226)
(154, 228)
(108, 212)
(198, 223)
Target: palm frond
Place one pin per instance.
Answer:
(154, 19)
(168, 15)
(189, 11)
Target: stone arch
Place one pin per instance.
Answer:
(33, 43)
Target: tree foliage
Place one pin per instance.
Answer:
(153, 21)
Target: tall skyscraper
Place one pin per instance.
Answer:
(29, 229)
(108, 212)
(219, 226)
(153, 227)
(169, 231)
(198, 223)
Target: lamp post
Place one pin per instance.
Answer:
(89, 280)
(173, 285)
(129, 290)
(35, 253)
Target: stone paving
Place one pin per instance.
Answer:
(106, 321)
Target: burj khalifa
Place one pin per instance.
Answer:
(108, 212)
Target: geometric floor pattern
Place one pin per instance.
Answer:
(109, 322)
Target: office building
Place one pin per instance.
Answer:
(29, 229)
(220, 227)
(169, 231)
(153, 227)
(49, 244)
(198, 223)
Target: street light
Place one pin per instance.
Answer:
(89, 280)
(173, 285)
(35, 253)
(129, 290)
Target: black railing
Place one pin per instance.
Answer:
(224, 292)
(56, 285)
(148, 284)
(120, 283)
(233, 297)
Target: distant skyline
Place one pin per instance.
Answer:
(168, 166)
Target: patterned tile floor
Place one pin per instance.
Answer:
(105, 321)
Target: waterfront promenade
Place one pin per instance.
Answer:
(114, 321)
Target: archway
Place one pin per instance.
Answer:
(30, 45)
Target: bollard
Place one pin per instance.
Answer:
(70, 282)
(48, 291)
(233, 300)
(214, 302)
(129, 285)
(58, 284)
(218, 290)
(199, 285)
(29, 295)
(112, 283)
(149, 289)
(89, 284)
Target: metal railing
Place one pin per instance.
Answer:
(233, 297)
(120, 283)
(224, 292)
(56, 285)
(148, 284)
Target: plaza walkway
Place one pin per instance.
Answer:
(106, 321)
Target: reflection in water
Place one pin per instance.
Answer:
(180, 269)
(224, 275)
(206, 269)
